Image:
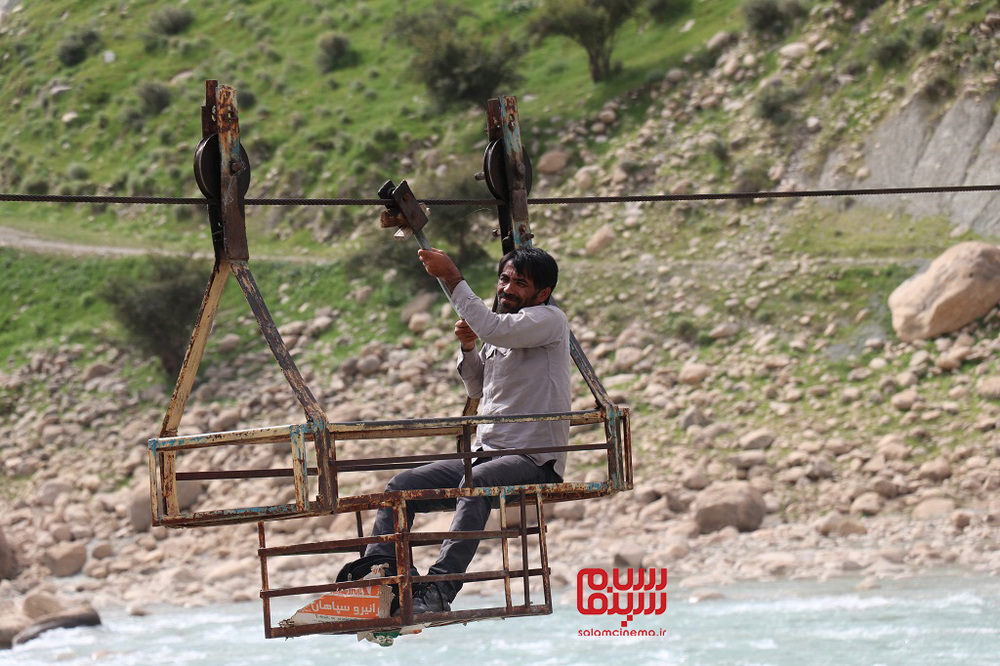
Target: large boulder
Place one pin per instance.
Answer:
(81, 616)
(958, 287)
(736, 504)
(11, 624)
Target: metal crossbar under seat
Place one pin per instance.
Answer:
(519, 572)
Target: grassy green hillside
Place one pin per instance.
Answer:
(126, 117)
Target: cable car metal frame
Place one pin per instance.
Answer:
(222, 171)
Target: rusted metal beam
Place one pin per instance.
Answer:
(163, 490)
(524, 549)
(196, 348)
(264, 582)
(300, 469)
(505, 550)
(241, 271)
(231, 198)
(325, 547)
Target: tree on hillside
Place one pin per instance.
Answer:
(592, 24)
(455, 62)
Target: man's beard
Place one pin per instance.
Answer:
(516, 303)
(511, 309)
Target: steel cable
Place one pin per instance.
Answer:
(635, 198)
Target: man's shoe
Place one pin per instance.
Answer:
(430, 599)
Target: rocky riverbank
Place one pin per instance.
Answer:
(744, 469)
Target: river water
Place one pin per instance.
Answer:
(939, 619)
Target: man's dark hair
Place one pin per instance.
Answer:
(534, 264)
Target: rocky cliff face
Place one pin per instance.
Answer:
(923, 145)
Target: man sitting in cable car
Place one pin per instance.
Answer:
(522, 367)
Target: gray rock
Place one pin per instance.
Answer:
(607, 116)
(731, 504)
(66, 558)
(694, 373)
(420, 322)
(834, 524)
(960, 519)
(761, 438)
(719, 41)
(421, 303)
(867, 504)
(369, 364)
(693, 417)
(226, 419)
(794, 51)
(552, 161)
(99, 369)
(600, 240)
(230, 343)
(989, 387)
(937, 470)
(935, 507)
(695, 480)
(748, 459)
(628, 558)
(39, 603)
(50, 491)
(724, 330)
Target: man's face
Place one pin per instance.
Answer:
(515, 291)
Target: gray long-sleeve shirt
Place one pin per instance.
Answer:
(523, 367)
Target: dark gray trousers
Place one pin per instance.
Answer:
(471, 513)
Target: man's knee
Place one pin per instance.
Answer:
(400, 481)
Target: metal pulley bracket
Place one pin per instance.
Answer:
(208, 165)
(495, 170)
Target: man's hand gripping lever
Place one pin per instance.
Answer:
(409, 217)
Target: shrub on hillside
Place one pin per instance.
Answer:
(750, 178)
(891, 51)
(929, 37)
(245, 99)
(861, 7)
(666, 11)
(335, 52)
(771, 18)
(171, 20)
(36, 185)
(157, 309)
(939, 84)
(154, 97)
(772, 103)
(76, 46)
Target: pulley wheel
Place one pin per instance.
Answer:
(208, 168)
(495, 169)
